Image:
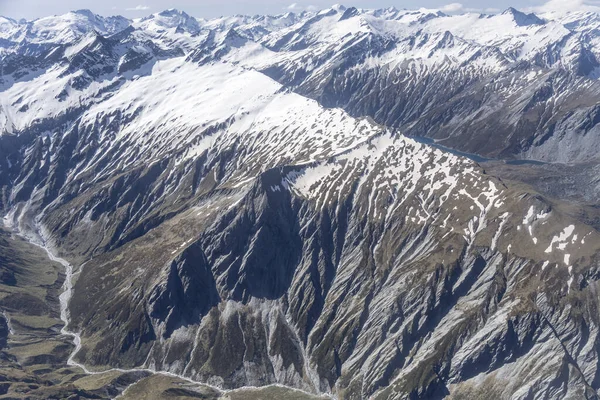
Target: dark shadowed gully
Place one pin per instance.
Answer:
(352, 204)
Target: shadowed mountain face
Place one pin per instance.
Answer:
(227, 226)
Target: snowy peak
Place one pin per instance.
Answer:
(349, 13)
(86, 13)
(522, 19)
(233, 38)
(72, 25)
(9, 28)
(168, 20)
(61, 29)
(339, 8)
(255, 27)
(229, 45)
(7, 23)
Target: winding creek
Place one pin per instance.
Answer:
(65, 297)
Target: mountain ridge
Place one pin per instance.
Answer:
(241, 207)
(474, 56)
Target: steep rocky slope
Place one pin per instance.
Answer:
(530, 81)
(358, 288)
(228, 230)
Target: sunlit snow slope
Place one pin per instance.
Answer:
(240, 207)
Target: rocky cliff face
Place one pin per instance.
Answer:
(339, 278)
(228, 230)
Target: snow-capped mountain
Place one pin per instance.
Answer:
(61, 29)
(240, 204)
(531, 80)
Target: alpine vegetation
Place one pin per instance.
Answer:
(345, 203)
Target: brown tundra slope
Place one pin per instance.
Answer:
(226, 230)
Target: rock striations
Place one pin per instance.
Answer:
(243, 203)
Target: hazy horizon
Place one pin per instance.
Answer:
(33, 9)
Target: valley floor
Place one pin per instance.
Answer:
(35, 352)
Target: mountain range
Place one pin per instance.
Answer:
(349, 203)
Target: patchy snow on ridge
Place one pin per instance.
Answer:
(561, 239)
